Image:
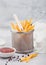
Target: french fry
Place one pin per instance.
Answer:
(15, 27)
(22, 23)
(25, 30)
(23, 59)
(27, 59)
(31, 56)
(30, 28)
(27, 25)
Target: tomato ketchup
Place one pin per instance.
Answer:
(6, 50)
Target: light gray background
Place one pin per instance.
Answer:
(25, 9)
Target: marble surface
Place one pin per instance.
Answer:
(39, 60)
(25, 9)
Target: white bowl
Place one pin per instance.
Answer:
(2, 54)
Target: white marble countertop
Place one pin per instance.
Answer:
(39, 60)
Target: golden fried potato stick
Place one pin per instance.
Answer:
(15, 27)
(31, 56)
(25, 23)
(22, 23)
(27, 59)
(30, 28)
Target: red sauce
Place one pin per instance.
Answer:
(6, 50)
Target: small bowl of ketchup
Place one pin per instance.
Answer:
(7, 51)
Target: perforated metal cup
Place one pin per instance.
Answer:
(22, 41)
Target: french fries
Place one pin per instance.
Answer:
(26, 24)
(15, 27)
(27, 59)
